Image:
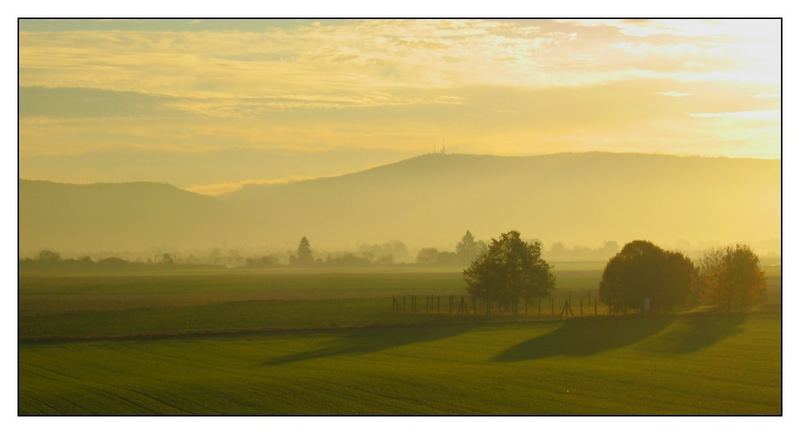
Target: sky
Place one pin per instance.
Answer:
(210, 105)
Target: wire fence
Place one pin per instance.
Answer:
(570, 305)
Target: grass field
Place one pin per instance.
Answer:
(113, 305)
(233, 342)
(706, 364)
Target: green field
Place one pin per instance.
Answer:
(235, 342)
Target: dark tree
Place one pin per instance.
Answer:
(48, 256)
(428, 256)
(643, 274)
(468, 249)
(731, 277)
(304, 256)
(508, 271)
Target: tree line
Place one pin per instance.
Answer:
(641, 277)
(466, 250)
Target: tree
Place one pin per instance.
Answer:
(428, 256)
(732, 277)
(263, 261)
(216, 256)
(48, 256)
(510, 270)
(468, 249)
(385, 260)
(642, 274)
(396, 249)
(304, 256)
(609, 248)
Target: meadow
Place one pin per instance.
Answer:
(327, 342)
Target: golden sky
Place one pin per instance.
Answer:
(208, 105)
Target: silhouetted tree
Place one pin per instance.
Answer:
(468, 249)
(304, 256)
(166, 259)
(732, 277)
(510, 270)
(385, 260)
(216, 256)
(263, 261)
(643, 273)
(396, 249)
(560, 251)
(428, 256)
(347, 259)
(48, 256)
(609, 248)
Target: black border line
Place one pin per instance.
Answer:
(780, 19)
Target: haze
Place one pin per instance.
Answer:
(212, 106)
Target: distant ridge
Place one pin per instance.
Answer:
(430, 200)
(118, 216)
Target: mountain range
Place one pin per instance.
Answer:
(429, 200)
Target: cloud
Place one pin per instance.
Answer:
(674, 94)
(493, 119)
(221, 188)
(90, 103)
(343, 59)
(745, 115)
(485, 86)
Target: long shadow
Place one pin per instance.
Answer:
(698, 332)
(353, 342)
(583, 337)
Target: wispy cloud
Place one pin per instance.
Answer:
(674, 94)
(221, 188)
(487, 86)
(746, 115)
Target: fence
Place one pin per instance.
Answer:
(570, 305)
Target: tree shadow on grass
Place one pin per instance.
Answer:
(354, 342)
(697, 332)
(584, 337)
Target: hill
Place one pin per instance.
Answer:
(428, 201)
(116, 217)
(575, 198)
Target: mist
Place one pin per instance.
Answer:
(426, 201)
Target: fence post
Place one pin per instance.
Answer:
(404, 303)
